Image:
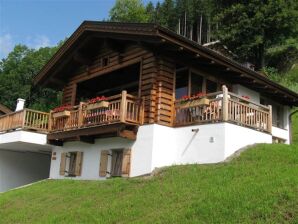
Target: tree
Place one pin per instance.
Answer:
(250, 27)
(16, 78)
(129, 11)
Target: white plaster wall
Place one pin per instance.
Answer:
(23, 136)
(243, 91)
(237, 137)
(158, 146)
(164, 146)
(281, 133)
(205, 146)
(20, 168)
(91, 156)
(141, 154)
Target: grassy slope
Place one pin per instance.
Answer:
(259, 186)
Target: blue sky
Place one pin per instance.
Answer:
(40, 23)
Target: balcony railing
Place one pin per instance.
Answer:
(224, 106)
(122, 108)
(25, 119)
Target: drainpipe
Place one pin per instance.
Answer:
(20, 104)
(290, 124)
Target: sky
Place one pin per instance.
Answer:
(41, 23)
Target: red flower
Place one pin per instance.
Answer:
(193, 97)
(97, 99)
(246, 97)
(62, 108)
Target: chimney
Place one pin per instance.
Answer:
(20, 104)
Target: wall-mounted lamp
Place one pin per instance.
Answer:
(211, 140)
(195, 130)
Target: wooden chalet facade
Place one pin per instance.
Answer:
(153, 81)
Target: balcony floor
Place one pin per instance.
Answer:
(88, 134)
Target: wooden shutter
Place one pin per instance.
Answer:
(103, 166)
(79, 160)
(126, 162)
(62, 163)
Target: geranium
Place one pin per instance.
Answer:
(62, 108)
(193, 97)
(246, 97)
(97, 99)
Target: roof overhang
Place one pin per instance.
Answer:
(4, 109)
(152, 33)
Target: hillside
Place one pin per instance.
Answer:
(259, 186)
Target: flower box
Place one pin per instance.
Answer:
(65, 113)
(101, 104)
(197, 102)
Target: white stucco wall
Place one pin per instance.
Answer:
(20, 168)
(237, 137)
(158, 146)
(243, 91)
(91, 156)
(23, 136)
(204, 146)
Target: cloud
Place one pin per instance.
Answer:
(6, 45)
(39, 41)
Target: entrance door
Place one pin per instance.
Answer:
(117, 158)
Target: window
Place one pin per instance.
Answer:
(277, 112)
(120, 163)
(117, 156)
(105, 61)
(71, 164)
(211, 86)
(196, 83)
(278, 140)
(181, 84)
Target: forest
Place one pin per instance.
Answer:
(263, 32)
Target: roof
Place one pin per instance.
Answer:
(4, 109)
(152, 32)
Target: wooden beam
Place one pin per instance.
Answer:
(80, 58)
(55, 142)
(87, 139)
(128, 134)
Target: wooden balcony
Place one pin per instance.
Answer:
(26, 119)
(123, 113)
(224, 106)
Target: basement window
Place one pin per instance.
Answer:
(71, 164)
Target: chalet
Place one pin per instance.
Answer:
(139, 96)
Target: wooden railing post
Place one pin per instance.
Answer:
(142, 111)
(50, 123)
(270, 119)
(24, 118)
(123, 106)
(225, 104)
(81, 114)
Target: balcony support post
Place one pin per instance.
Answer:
(270, 119)
(225, 104)
(80, 115)
(123, 106)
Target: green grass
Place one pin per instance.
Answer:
(295, 127)
(260, 186)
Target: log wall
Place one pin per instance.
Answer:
(156, 80)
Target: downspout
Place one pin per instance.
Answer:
(290, 124)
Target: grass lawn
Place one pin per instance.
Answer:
(260, 186)
(295, 128)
